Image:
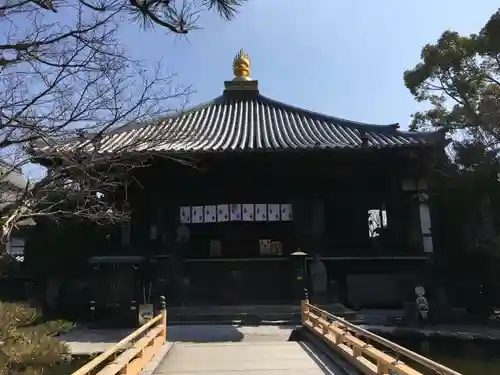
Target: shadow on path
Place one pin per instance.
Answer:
(327, 360)
(204, 333)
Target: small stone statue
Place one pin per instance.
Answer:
(422, 303)
(183, 234)
(319, 280)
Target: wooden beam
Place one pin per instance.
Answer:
(150, 338)
(344, 338)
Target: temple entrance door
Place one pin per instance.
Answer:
(243, 281)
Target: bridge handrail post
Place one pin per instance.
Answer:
(163, 312)
(304, 307)
(340, 331)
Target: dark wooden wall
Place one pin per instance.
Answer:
(348, 183)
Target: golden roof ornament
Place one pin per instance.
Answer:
(241, 66)
(241, 85)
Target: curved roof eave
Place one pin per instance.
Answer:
(253, 121)
(174, 115)
(367, 127)
(337, 120)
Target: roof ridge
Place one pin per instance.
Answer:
(175, 114)
(379, 128)
(256, 122)
(338, 120)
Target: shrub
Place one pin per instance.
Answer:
(28, 344)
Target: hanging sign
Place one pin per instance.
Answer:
(146, 313)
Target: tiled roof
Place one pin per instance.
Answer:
(253, 123)
(12, 177)
(12, 183)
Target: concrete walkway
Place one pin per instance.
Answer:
(252, 357)
(91, 341)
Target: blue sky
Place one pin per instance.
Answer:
(343, 58)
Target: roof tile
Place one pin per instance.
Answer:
(250, 124)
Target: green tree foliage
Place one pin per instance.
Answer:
(459, 77)
(458, 80)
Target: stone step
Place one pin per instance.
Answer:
(254, 314)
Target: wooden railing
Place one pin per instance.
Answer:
(355, 344)
(132, 354)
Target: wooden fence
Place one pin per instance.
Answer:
(355, 344)
(132, 354)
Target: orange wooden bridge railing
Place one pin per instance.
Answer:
(353, 343)
(133, 353)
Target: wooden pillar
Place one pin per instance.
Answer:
(126, 228)
(425, 222)
(317, 226)
(163, 311)
(419, 190)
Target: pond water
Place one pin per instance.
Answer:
(467, 357)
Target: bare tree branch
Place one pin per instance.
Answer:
(67, 78)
